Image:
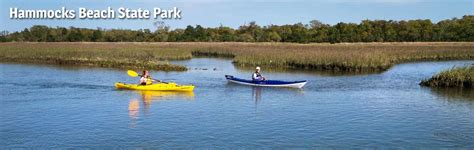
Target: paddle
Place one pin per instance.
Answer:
(135, 74)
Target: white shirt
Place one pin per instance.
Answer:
(143, 80)
(255, 76)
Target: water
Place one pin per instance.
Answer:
(77, 107)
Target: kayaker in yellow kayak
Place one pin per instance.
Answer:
(146, 84)
(146, 78)
(256, 76)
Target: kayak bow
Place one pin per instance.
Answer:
(269, 83)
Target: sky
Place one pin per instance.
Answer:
(213, 13)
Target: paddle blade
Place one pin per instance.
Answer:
(132, 73)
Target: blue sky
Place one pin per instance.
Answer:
(212, 13)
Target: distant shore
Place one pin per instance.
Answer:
(342, 57)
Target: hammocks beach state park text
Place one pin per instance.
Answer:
(85, 13)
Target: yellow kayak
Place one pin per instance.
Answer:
(155, 87)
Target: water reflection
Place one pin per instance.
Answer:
(133, 108)
(148, 97)
(257, 94)
(454, 94)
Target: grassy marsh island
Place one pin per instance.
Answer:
(116, 55)
(343, 57)
(455, 77)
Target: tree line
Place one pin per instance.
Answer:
(455, 29)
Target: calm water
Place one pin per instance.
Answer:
(51, 107)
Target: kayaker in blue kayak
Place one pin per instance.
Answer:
(257, 76)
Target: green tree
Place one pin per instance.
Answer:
(455, 29)
(39, 33)
(96, 35)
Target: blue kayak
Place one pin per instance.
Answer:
(270, 83)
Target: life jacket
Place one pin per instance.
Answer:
(257, 75)
(149, 81)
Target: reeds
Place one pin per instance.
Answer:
(117, 55)
(353, 57)
(344, 57)
(455, 77)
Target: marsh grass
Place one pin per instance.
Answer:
(115, 55)
(353, 57)
(344, 57)
(455, 77)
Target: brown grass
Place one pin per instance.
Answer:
(344, 57)
(455, 77)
